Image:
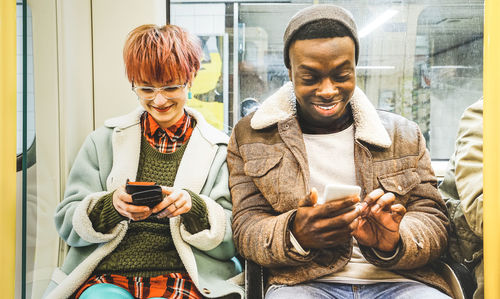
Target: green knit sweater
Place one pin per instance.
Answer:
(147, 249)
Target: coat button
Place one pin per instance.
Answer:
(400, 188)
(206, 291)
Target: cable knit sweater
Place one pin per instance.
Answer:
(147, 249)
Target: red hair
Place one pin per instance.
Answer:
(164, 54)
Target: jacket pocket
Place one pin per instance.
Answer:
(265, 174)
(400, 182)
(259, 167)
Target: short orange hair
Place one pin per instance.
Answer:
(164, 54)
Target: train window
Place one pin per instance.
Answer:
(209, 92)
(30, 112)
(420, 59)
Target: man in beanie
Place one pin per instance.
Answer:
(317, 130)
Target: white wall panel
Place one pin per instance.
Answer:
(111, 24)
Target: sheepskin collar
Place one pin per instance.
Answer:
(367, 123)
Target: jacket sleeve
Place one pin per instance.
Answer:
(260, 233)
(424, 228)
(216, 241)
(469, 166)
(86, 179)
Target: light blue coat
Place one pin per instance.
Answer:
(108, 157)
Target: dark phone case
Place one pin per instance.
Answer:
(144, 195)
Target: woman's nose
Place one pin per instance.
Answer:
(160, 100)
(327, 89)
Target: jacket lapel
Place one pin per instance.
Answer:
(289, 130)
(195, 163)
(126, 152)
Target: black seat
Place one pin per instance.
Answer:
(458, 277)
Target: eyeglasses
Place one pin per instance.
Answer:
(149, 93)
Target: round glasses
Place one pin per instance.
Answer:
(149, 93)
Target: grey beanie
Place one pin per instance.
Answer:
(314, 13)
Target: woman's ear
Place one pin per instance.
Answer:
(190, 83)
(290, 74)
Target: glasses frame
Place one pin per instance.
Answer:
(157, 90)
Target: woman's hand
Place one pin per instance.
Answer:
(121, 202)
(379, 221)
(175, 203)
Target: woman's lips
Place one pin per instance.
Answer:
(164, 109)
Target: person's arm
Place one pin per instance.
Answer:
(469, 166)
(260, 234)
(424, 228)
(84, 181)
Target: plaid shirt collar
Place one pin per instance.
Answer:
(170, 139)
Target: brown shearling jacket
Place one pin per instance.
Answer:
(269, 174)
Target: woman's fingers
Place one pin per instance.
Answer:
(122, 203)
(177, 203)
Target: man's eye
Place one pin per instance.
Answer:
(343, 78)
(308, 79)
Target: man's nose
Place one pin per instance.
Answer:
(327, 89)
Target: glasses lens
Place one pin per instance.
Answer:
(146, 93)
(172, 91)
(169, 92)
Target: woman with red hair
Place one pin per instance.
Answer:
(180, 247)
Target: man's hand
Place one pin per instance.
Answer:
(314, 226)
(379, 221)
(175, 203)
(121, 202)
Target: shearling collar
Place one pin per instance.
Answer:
(367, 123)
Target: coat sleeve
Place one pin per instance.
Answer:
(469, 166)
(259, 231)
(86, 179)
(424, 228)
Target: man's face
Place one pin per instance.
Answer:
(324, 77)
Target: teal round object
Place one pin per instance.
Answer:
(106, 290)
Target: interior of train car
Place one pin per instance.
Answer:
(422, 59)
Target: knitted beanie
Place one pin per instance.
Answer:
(314, 13)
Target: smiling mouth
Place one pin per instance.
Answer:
(326, 108)
(162, 109)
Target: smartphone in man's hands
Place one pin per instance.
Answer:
(144, 193)
(337, 192)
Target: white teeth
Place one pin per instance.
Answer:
(326, 107)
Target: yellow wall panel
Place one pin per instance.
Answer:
(8, 147)
(491, 149)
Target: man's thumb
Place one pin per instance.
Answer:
(310, 200)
